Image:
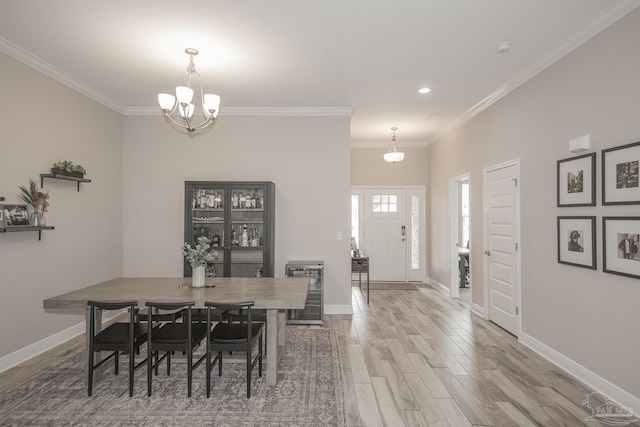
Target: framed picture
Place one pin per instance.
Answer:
(621, 237)
(620, 175)
(15, 215)
(577, 181)
(577, 241)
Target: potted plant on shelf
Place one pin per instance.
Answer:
(38, 200)
(198, 257)
(67, 168)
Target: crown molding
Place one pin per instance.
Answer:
(386, 144)
(616, 11)
(49, 70)
(256, 111)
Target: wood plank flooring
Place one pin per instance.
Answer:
(418, 358)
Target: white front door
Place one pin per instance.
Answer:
(501, 222)
(386, 234)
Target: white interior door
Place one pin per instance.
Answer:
(501, 222)
(386, 233)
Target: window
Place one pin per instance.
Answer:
(415, 232)
(385, 203)
(355, 212)
(464, 213)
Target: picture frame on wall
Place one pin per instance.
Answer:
(15, 215)
(620, 180)
(577, 181)
(577, 241)
(620, 237)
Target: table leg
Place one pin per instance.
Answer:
(276, 321)
(367, 286)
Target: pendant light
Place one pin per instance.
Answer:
(393, 155)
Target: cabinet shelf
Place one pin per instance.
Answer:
(25, 228)
(62, 178)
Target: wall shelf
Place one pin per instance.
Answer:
(25, 228)
(62, 177)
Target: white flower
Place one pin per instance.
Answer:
(201, 254)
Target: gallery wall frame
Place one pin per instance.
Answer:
(620, 180)
(620, 244)
(577, 241)
(576, 180)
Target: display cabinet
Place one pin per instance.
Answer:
(238, 216)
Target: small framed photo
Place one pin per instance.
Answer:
(577, 181)
(577, 241)
(621, 236)
(620, 175)
(15, 215)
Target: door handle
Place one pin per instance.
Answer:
(487, 253)
(403, 230)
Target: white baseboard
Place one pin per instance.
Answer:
(439, 286)
(46, 344)
(591, 379)
(39, 347)
(479, 310)
(338, 309)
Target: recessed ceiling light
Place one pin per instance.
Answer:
(424, 90)
(503, 47)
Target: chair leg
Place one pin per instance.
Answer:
(116, 360)
(189, 370)
(219, 363)
(260, 357)
(132, 366)
(208, 373)
(90, 373)
(150, 359)
(168, 363)
(249, 371)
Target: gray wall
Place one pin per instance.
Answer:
(44, 122)
(587, 316)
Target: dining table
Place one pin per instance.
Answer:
(273, 294)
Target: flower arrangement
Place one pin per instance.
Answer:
(34, 198)
(201, 254)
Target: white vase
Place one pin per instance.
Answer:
(197, 277)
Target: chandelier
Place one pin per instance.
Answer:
(393, 155)
(179, 108)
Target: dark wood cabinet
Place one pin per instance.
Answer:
(237, 215)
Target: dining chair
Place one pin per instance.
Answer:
(228, 336)
(172, 336)
(119, 337)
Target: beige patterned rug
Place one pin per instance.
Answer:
(309, 392)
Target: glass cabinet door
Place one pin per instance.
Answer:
(207, 219)
(247, 231)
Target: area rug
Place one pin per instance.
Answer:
(390, 286)
(309, 392)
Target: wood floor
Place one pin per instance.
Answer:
(418, 358)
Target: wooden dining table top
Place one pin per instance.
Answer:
(266, 292)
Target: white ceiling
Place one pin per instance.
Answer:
(315, 56)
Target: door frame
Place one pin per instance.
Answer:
(454, 232)
(419, 275)
(485, 234)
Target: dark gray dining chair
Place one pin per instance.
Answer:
(229, 336)
(119, 337)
